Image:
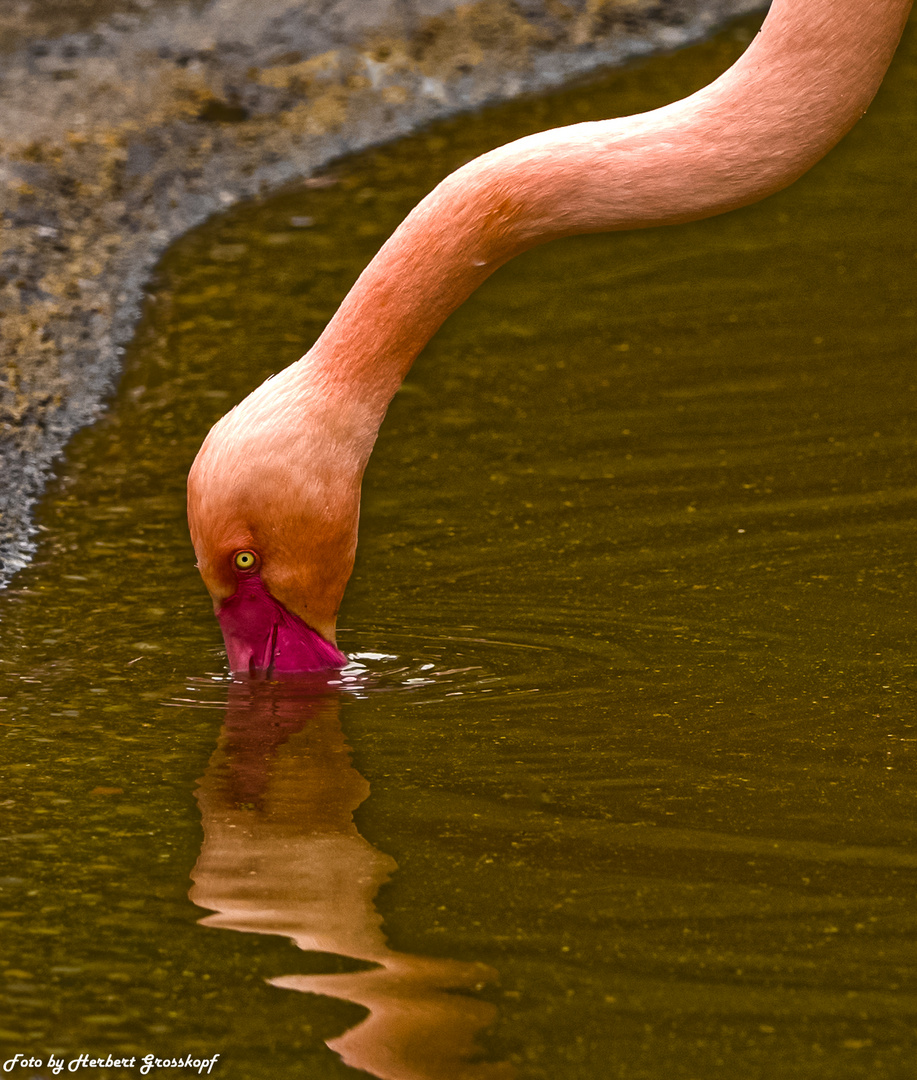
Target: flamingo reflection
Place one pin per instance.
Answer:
(282, 855)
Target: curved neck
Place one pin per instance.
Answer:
(805, 80)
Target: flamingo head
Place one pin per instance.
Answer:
(273, 507)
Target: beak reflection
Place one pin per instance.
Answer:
(282, 855)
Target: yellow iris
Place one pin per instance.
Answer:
(245, 560)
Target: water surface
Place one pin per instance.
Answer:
(634, 677)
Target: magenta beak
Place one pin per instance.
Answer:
(262, 637)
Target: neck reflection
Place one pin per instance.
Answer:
(282, 855)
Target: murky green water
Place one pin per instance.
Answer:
(635, 689)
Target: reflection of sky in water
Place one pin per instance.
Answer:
(632, 625)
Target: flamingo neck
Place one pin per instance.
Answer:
(805, 80)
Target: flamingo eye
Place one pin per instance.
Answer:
(245, 560)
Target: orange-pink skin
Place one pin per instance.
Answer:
(281, 473)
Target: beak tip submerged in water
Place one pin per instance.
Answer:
(263, 638)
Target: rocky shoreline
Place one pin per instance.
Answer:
(119, 135)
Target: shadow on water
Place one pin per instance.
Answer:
(634, 674)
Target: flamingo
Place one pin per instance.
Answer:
(274, 493)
